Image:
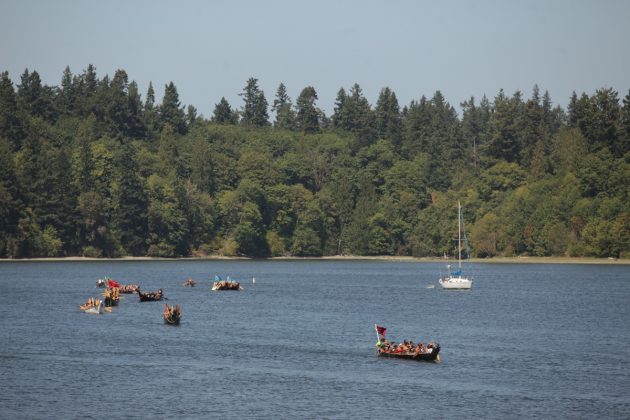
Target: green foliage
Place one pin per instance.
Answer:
(50, 243)
(276, 244)
(306, 242)
(86, 168)
(92, 252)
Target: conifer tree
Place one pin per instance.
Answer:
(149, 103)
(131, 215)
(504, 142)
(625, 125)
(355, 115)
(9, 122)
(171, 111)
(339, 119)
(136, 127)
(307, 115)
(285, 116)
(83, 160)
(117, 112)
(91, 80)
(150, 113)
(223, 113)
(255, 107)
(191, 115)
(35, 98)
(9, 203)
(471, 128)
(66, 96)
(387, 117)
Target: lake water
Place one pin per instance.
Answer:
(528, 341)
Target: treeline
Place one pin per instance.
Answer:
(91, 168)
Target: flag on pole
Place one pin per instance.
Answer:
(380, 330)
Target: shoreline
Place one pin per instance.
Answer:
(495, 260)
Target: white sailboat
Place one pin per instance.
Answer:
(455, 280)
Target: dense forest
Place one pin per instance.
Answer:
(92, 168)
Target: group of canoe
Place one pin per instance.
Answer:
(111, 297)
(171, 314)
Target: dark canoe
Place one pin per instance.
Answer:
(423, 357)
(172, 314)
(172, 320)
(110, 301)
(150, 296)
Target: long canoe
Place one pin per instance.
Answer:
(434, 356)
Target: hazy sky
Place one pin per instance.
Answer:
(210, 48)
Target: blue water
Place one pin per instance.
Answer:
(528, 341)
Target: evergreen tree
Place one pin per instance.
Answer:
(505, 142)
(307, 115)
(549, 118)
(117, 111)
(471, 128)
(340, 117)
(255, 108)
(150, 113)
(66, 97)
(171, 111)
(10, 126)
(625, 125)
(9, 203)
(417, 128)
(387, 117)
(168, 152)
(83, 160)
(602, 129)
(573, 111)
(223, 113)
(131, 215)
(191, 115)
(91, 80)
(532, 128)
(86, 88)
(353, 114)
(149, 103)
(64, 202)
(34, 98)
(136, 119)
(285, 116)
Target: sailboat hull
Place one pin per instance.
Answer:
(456, 283)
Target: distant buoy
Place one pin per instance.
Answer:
(254, 280)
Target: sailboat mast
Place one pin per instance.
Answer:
(459, 232)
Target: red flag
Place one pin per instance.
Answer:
(380, 330)
(112, 283)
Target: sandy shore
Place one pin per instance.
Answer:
(496, 260)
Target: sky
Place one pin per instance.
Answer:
(209, 49)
